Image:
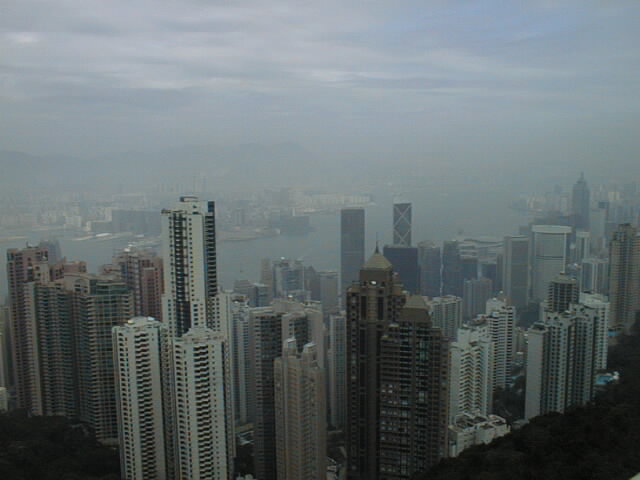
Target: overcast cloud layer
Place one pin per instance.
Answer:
(81, 76)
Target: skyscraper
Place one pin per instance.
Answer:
(501, 321)
(549, 256)
(397, 379)
(24, 266)
(562, 359)
(202, 401)
(446, 313)
(582, 248)
(351, 245)
(475, 296)
(563, 291)
(268, 328)
(430, 265)
(142, 272)
(624, 277)
(405, 263)
(189, 258)
(580, 203)
(337, 370)
(515, 275)
(402, 224)
(301, 414)
(594, 275)
(101, 303)
(471, 372)
(451, 269)
(140, 354)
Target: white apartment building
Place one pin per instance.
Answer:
(471, 372)
(190, 271)
(203, 417)
(469, 430)
(139, 347)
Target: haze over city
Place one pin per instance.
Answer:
(280, 240)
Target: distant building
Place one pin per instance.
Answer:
(352, 231)
(580, 203)
(624, 278)
(452, 276)
(582, 247)
(142, 272)
(405, 263)
(468, 430)
(475, 295)
(549, 256)
(402, 224)
(446, 313)
(594, 275)
(430, 265)
(563, 291)
(515, 274)
(301, 414)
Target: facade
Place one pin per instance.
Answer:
(582, 247)
(189, 258)
(402, 224)
(515, 270)
(430, 265)
(624, 277)
(476, 292)
(600, 304)
(452, 277)
(468, 430)
(140, 354)
(563, 353)
(288, 278)
(142, 272)
(563, 291)
(580, 203)
(24, 266)
(594, 275)
(446, 313)
(548, 256)
(201, 395)
(268, 328)
(337, 370)
(501, 322)
(100, 303)
(301, 414)
(351, 246)
(397, 379)
(471, 372)
(405, 263)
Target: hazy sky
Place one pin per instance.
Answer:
(80, 76)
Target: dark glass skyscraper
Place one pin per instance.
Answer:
(430, 265)
(452, 278)
(405, 263)
(580, 203)
(351, 245)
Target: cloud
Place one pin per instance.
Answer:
(89, 58)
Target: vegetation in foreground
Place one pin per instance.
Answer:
(52, 448)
